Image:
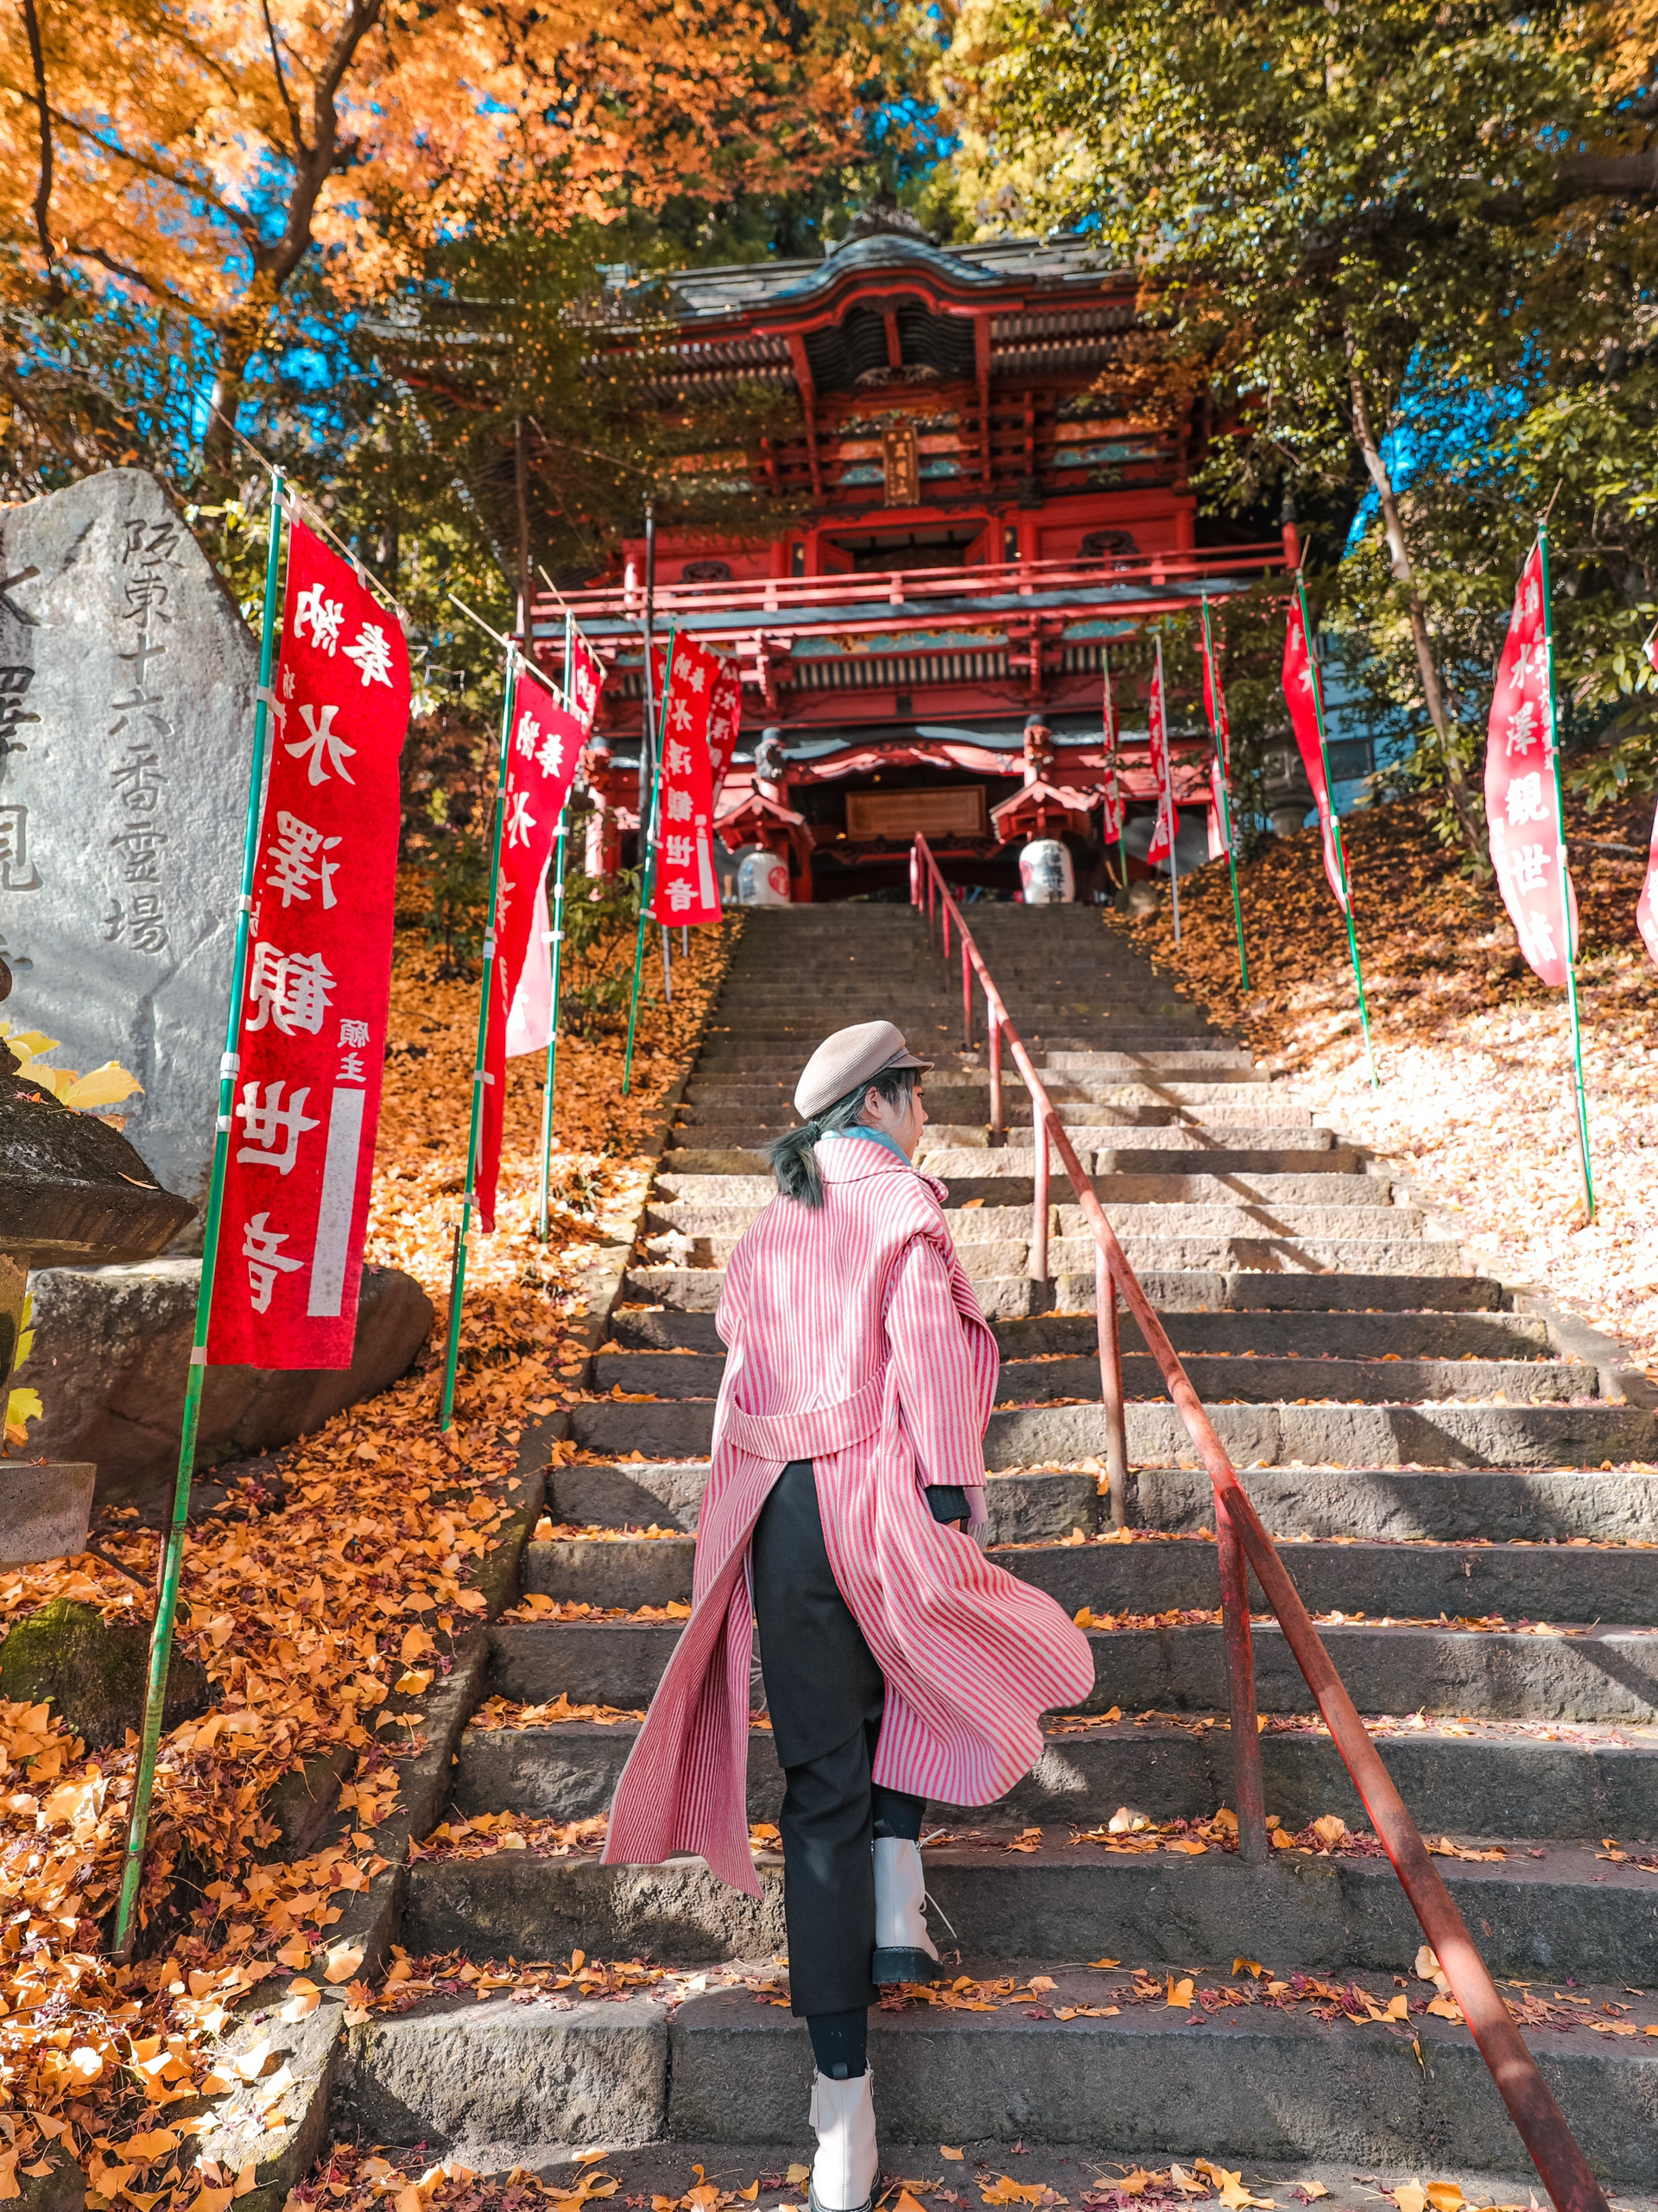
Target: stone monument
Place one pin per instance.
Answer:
(127, 683)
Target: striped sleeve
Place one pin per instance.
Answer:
(944, 1366)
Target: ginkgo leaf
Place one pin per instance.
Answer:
(1411, 2197)
(100, 1086)
(1444, 2197)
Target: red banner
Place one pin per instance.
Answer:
(1168, 827)
(1111, 789)
(583, 679)
(542, 755)
(312, 1039)
(724, 721)
(1526, 850)
(1646, 910)
(687, 889)
(1306, 704)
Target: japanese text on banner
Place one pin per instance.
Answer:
(1167, 826)
(687, 889)
(542, 749)
(313, 1029)
(1646, 911)
(1301, 677)
(1520, 806)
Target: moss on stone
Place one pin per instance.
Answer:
(93, 1672)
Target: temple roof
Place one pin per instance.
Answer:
(741, 289)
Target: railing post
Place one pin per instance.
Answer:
(966, 1000)
(1247, 1794)
(1110, 1387)
(996, 1069)
(944, 917)
(914, 877)
(1039, 1194)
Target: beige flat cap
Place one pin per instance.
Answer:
(848, 1058)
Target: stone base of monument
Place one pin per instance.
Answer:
(45, 1509)
(110, 1353)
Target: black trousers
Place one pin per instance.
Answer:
(826, 1694)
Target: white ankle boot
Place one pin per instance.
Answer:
(848, 2164)
(903, 1950)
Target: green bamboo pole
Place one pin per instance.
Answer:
(160, 1638)
(1225, 792)
(1335, 826)
(558, 953)
(648, 864)
(1566, 903)
(458, 1262)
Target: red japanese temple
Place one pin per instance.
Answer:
(971, 527)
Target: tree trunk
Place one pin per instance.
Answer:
(521, 486)
(1398, 558)
(239, 339)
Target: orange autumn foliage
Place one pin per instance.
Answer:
(194, 156)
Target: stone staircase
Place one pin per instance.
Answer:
(1462, 1485)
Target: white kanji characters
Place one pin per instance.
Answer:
(1524, 727)
(677, 758)
(695, 675)
(291, 989)
(272, 1130)
(351, 1068)
(371, 650)
(1529, 599)
(353, 1033)
(265, 1262)
(520, 820)
(323, 739)
(551, 759)
(296, 861)
(679, 713)
(678, 852)
(677, 806)
(528, 735)
(1525, 800)
(1527, 864)
(680, 897)
(1537, 937)
(321, 615)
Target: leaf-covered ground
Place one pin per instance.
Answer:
(341, 1570)
(1474, 1053)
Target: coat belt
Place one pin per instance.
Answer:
(777, 1438)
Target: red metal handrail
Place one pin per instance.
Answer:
(1553, 2149)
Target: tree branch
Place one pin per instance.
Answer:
(134, 277)
(43, 185)
(1619, 176)
(324, 149)
(300, 147)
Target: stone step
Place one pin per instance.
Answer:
(1261, 1380)
(1467, 1777)
(1091, 1127)
(1081, 1059)
(1016, 1163)
(998, 1195)
(1503, 1505)
(1434, 1434)
(1170, 1290)
(1002, 1268)
(1342, 1335)
(467, 2078)
(1593, 1674)
(1521, 1583)
(1338, 1914)
(957, 1100)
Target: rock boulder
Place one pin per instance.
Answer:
(111, 1352)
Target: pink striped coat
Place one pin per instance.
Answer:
(856, 1341)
